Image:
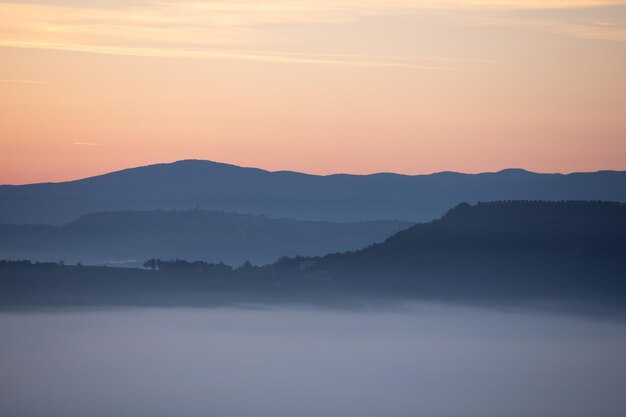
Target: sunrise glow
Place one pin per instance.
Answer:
(326, 86)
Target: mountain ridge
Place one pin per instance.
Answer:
(337, 174)
(553, 254)
(288, 194)
(570, 249)
(110, 236)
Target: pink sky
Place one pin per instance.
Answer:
(409, 86)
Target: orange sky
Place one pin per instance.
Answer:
(323, 86)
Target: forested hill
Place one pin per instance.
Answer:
(216, 186)
(540, 221)
(506, 247)
(504, 252)
(131, 237)
(535, 227)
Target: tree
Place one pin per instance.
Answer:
(151, 264)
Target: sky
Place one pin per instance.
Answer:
(325, 86)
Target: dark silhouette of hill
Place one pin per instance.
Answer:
(515, 248)
(555, 254)
(124, 236)
(216, 186)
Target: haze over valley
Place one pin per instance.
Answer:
(288, 208)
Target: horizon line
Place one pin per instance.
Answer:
(512, 169)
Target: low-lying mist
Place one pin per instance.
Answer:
(419, 360)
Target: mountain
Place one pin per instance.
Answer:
(514, 248)
(131, 237)
(216, 186)
(566, 255)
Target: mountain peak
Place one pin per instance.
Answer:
(514, 171)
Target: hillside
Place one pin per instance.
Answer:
(515, 248)
(214, 186)
(131, 237)
(566, 254)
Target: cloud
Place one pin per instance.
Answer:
(593, 29)
(90, 144)
(17, 81)
(242, 29)
(276, 57)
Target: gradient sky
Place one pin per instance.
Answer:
(359, 86)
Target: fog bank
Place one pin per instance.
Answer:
(423, 360)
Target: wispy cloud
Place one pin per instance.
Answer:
(509, 4)
(590, 29)
(264, 56)
(244, 29)
(91, 144)
(605, 22)
(213, 30)
(18, 81)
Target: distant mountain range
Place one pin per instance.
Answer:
(215, 186)
(130, 237)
